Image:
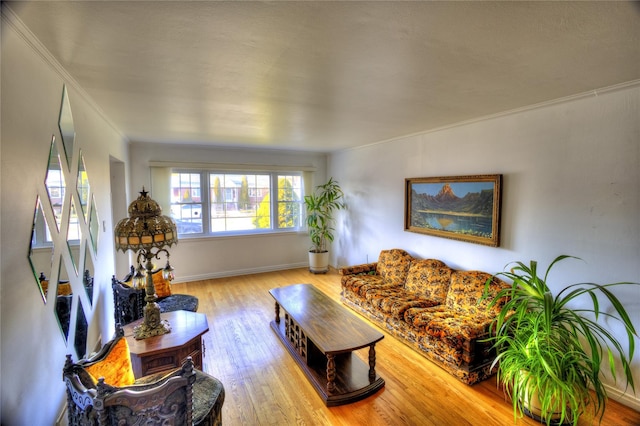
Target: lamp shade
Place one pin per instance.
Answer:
(146, 226)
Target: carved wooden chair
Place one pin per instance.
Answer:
(129, 301)
(102, 391)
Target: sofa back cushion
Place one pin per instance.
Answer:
(393, 266)
(467, 288)
(429, 278)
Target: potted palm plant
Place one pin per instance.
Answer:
(548, 354)
(320, 206)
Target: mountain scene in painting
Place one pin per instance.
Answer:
(474, 203)
(470, 214)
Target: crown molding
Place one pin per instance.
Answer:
(584, 95)
(10, 19)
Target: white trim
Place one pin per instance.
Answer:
(232, 166)
(624, 398)
(570, 98)
(10, 17)
(238, 272)
(63, 419)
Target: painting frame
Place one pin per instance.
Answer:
(433, 207)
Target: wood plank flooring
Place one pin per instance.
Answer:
(264, 386)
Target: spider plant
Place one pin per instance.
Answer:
(548, 354)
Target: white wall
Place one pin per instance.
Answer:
(32, 347)
(571, 185)
(202, 258)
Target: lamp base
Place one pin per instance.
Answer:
(144, 331)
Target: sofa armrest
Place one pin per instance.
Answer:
(365, 268)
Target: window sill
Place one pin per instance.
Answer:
(231, 235)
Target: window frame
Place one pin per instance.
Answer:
(206, 202)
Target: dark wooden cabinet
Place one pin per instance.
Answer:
(168, 351)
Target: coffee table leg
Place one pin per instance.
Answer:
(372, 362)
(277, 312)
(331, 373)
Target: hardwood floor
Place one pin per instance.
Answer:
(264, 386)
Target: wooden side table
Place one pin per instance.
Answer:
(160, 353)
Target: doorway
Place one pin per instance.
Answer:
(118, 210)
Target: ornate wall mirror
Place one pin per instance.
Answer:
(94, 226)
(74, 235)
(55, 184)
(80, 340)
(41, 250)
(82, 187)
(64, 298)
(87, 277)
(73, 210)
(65, 123)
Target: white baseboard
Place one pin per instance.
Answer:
(624, 398)
(233, 273)
(62, 419)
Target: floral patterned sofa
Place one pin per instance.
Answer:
(433, 308)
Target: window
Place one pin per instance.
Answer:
(186, 202)
(212, 203)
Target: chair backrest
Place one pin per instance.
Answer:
(168, 401)
(128, 302)
(155, 400)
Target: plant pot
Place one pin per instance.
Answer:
(319, 262)
(532, 407)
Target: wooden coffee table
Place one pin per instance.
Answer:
(168, 351)
(321, 335)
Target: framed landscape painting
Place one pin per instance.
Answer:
(465, 208)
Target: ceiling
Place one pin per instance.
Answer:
(325, 76)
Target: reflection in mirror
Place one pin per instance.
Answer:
(41, 250)
(80, 341)
(64, 296)
(83, 188)
(87, 277)
(65, 123)
(55, 183)
(73, 236)
(94, 226)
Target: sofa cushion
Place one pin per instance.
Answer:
(418, 317)
(354, 283)
(459, 328)
(360, 285)
(452, 334)
(393, 302)
(429, 278)
(393, 266)
(466, 290)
